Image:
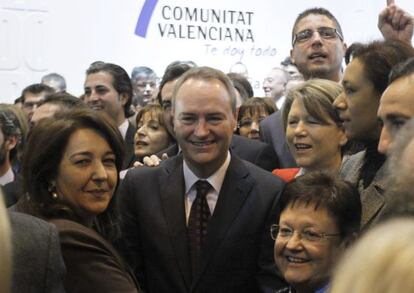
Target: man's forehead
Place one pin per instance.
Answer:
(99, 78)
(314, 21)
(34, 97)
(145, 77)
(401, 88)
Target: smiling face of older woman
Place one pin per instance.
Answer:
(307, 245)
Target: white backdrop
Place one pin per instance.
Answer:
(65, 36)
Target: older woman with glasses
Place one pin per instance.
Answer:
(319, 219)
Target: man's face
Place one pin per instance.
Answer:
(318, 57)
(203, 124)
(144, 88)
(166, 97)
(46, 110)
(101, 95)
(395, 109)
(274, 84)
(31, 101)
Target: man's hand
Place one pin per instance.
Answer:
(151, 161)
(395, 23)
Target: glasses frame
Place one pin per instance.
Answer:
(337, 33)
(274, 231)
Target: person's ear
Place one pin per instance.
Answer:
(349, 240)
(123, 98)
(10, 143)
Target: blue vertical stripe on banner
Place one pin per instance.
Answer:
(145, 17)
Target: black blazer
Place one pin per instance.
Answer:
(253, 151)
(129, 146)
(273, 133)
(239, 251)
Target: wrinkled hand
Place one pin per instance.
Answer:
(151, 161)
(395, 23)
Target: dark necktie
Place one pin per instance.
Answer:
(197, 224)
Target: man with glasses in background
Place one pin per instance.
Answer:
(318, 49)
(32, 95)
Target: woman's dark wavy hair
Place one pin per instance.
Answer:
(378, 58)
(44, 152)
(319, 189)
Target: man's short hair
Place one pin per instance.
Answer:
(172, 72)
(402, 69)
(56, 78)
(36, 89)
(317, 11)
(64, 100)
(141, 70)
(9, 125)
(120, 80)
(239, 81)
(207, 74)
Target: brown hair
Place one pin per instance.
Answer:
(43, 154)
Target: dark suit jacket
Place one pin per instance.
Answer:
(253, 151)
(129, 146)
(37, 261)
(92, 263)
(238, 254)
(273, 133)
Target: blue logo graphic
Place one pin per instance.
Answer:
(145, 17)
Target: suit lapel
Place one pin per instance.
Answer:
(234, 192)
(172, 200)
(373, 198)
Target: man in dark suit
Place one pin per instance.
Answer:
(108, 88)
(37, 261)
(182, 238)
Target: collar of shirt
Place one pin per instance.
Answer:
(123, 128)
(7, 177)
(280, 102)
(215, 180)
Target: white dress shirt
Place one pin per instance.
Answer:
(215, 180)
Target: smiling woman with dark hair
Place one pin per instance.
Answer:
(70, 174)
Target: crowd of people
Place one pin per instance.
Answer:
(191, 183)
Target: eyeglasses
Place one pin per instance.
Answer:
(326, 33)
(286, 233)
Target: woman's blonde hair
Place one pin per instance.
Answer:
(318, 96)
(5, 249)
(382, 261)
